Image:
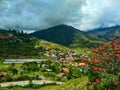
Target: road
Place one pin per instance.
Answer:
(23, 83)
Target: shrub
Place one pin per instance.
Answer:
(8, 78)
(104, 66)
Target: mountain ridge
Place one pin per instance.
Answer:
(106, 33)
(61, 34)
(70, 36)
(65, 35)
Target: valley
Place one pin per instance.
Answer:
(59, 44)
(60, 54)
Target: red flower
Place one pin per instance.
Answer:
(95, 61)
(94, 83)
(116, 83)
(83, 65)
(93, 52)
(97, 80)
(118, 55)
(62, 59)
(65, 70)
(111, 75)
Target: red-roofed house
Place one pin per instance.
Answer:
(2, 74)
(66, 70)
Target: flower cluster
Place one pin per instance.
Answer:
(104, 66)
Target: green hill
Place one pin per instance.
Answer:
(71, 37)
(15, 44)
(66, 35)
(105, 33)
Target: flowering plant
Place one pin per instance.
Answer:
(104, 66)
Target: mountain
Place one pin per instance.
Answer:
(105, 33)
(61, 34)
(65, 35)
(14, 44)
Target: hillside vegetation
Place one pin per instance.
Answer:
(73, 84)
(105, 33)
(15, 44)
(67, 36)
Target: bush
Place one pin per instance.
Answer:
(104, 66)
(49, 74)
(22, 77)
(8, 78)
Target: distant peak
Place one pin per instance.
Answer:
(62, 25)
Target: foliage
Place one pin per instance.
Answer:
(17, 44)
(74, 72)
(105, 33)
(67, 36)
(104, 66)
(30, 66)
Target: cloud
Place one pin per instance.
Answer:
(100, 13)
(40, 14)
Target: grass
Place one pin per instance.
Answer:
(50, 45)
(6, 66)
(84, 51)
(73, 84)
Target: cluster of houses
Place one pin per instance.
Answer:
(6, 36)
(66, 55)
(58, 55)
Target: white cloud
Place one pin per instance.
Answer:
(100, 13)
(39, 14)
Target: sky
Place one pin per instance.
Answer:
(31, 15)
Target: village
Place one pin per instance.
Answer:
(59, 66)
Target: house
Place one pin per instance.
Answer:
(49, 70)
(3, 37)
(2, 74)
(66, 70)
(60, 75)
(53, 56)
